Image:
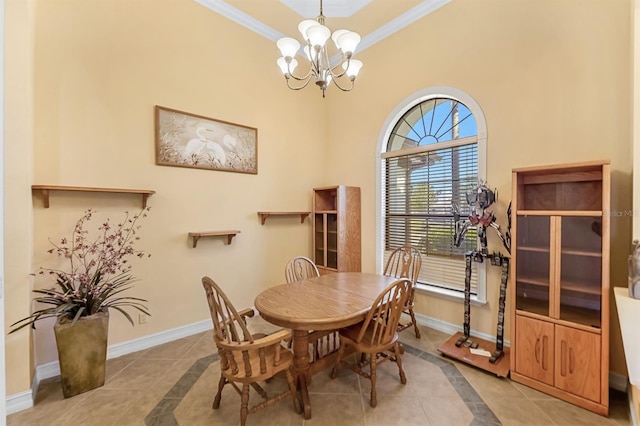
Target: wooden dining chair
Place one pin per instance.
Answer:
(377, 335)
(405, 262)
(322, 343)
(247, 358)
(300, 268)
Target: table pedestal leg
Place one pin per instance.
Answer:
(301, 367)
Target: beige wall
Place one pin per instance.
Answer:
(18, 232)
(99, 69)
(551, 76)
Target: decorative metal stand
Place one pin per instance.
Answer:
(481, 218)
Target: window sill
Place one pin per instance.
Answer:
(455, 296)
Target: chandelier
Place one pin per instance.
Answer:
(316, 35)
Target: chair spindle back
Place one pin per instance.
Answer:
(228, 326)
(404, 262)
(300, 268)
(381, 323)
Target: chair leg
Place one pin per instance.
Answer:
(374, 401)
(260, 391)
(403, 377)
(414, 322)
(334, 372)
(363, 359)
(216, 400)
(294, 392)
(244, 407)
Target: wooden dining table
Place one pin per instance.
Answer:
(327, 302)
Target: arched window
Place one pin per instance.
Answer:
(432, 153)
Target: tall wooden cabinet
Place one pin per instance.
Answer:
(336, 228)
(559, 288)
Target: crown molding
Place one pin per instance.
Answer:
(259, 27)
(238, 16)
(402, 21)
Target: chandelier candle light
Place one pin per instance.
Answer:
(316, 34)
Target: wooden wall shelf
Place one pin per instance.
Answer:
(46, 188)
(265, 215)
(197, 235)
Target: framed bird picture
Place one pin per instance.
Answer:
(189, 140)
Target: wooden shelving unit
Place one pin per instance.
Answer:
(45, 189)
(336, 229)
(560, 282)
(265, 215)
(197, 235)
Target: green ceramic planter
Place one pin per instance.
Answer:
(82, 351)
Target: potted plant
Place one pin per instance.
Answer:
(97, 276)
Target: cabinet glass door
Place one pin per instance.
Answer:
(332, 240)
(319, 249)
(581, 270)
(533, 264)
(326, 240)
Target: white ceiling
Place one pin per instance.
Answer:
(330, 8)
(374, 20)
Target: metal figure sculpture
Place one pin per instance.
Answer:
(481, 217)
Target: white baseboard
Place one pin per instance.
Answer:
(146, 342)
(24, 400)
(450, 328)
(618, 382)
(19, 401)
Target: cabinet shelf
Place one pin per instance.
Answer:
(326, 212)
(47, 188)
(265, 215)
(559, 212)
(540, 282)
(575, 252)
(197, 235)
(533, 248)
(564, 285)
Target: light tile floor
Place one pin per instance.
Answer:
(174, 384)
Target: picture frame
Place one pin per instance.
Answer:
(189, 140)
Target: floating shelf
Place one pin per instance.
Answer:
(46, 188)
(197, 235)
(265, 215)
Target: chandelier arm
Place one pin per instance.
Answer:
(290, 72)
(299, 87)
(344, 89)
(344, 71)
(306, 77)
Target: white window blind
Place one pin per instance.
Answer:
(419, 189)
